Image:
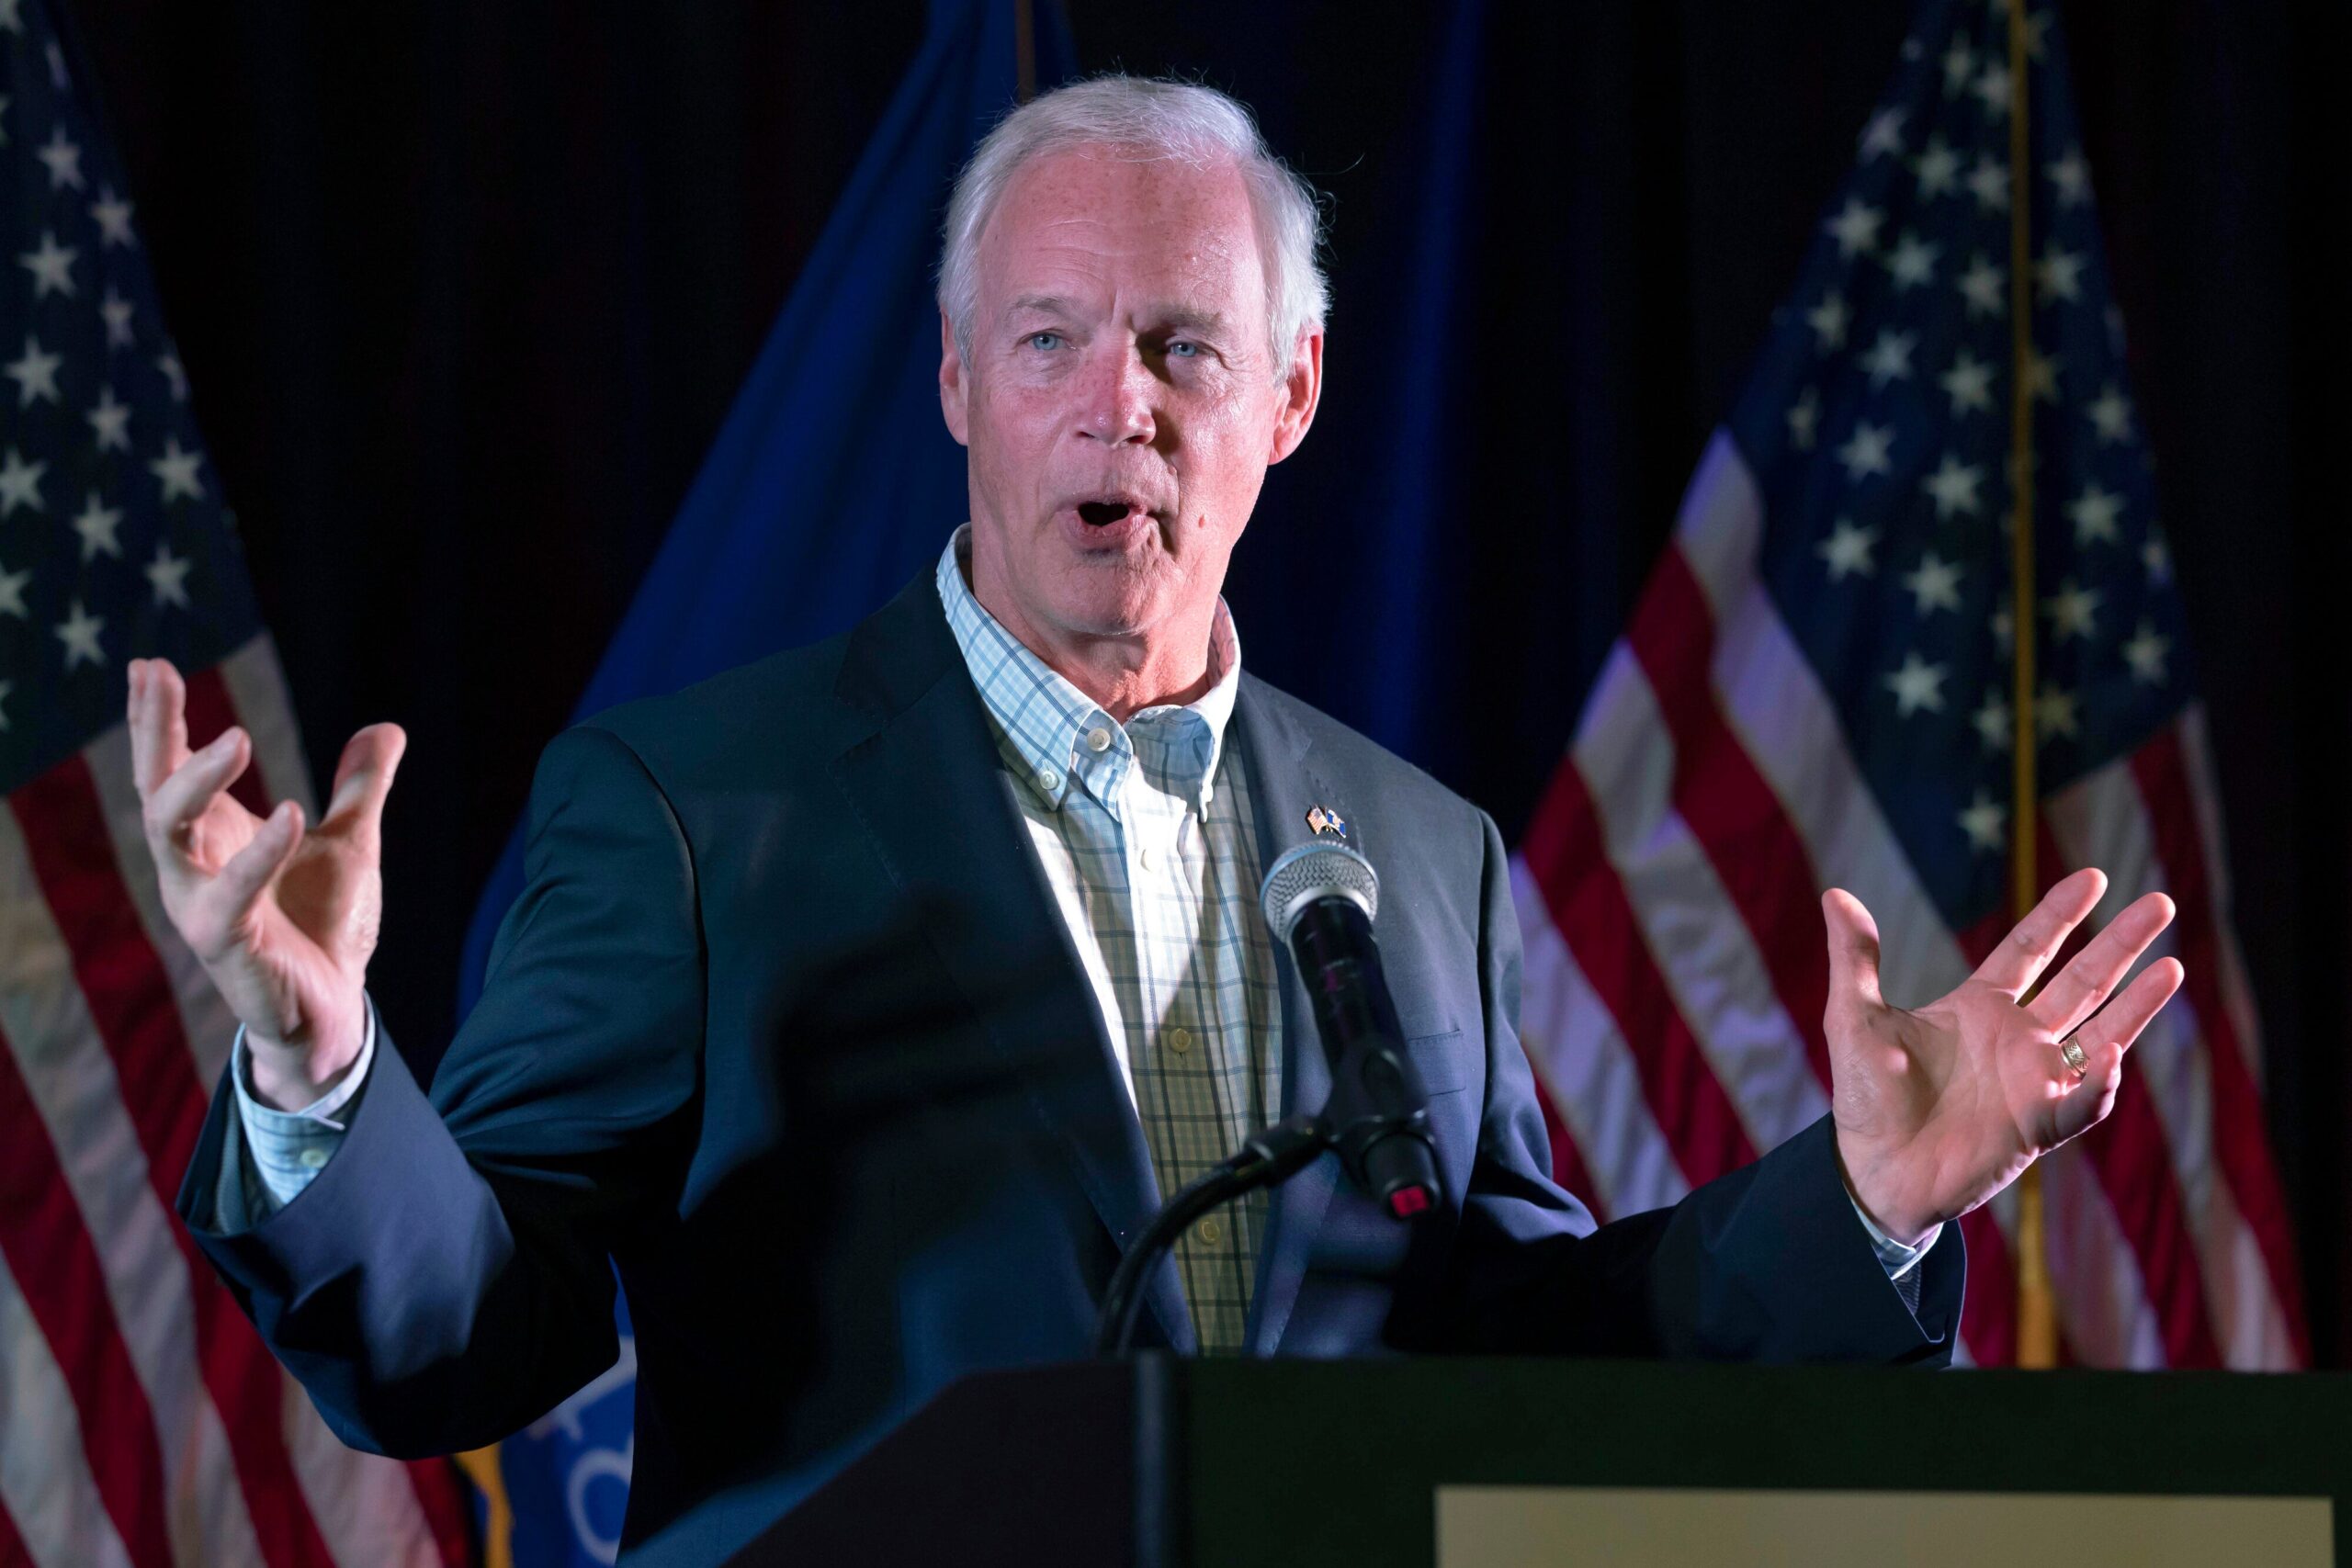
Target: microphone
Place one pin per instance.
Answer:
(1319, 899)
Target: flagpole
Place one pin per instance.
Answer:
(2037, 1306)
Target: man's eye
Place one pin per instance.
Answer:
(1045, 342)
(1179, 348)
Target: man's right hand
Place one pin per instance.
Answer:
(283, 921)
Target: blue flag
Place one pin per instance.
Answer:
(831, 482)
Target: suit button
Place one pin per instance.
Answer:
(1180, 1040)
(1211, 1231)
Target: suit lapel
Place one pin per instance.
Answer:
(1284, 785)
(925, 783)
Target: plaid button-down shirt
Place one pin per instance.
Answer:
(1145, 833)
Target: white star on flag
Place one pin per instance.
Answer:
(2070, 177)
(1868, 451)
(1827, 321)
(12, 593)
(2095, 512)
(1960, 68)
(1953, 487)
(1934, 583)
(96, 525)
(1847, 551)
(1981, 285)
(2156, 557)
(1936, 169)
(168, 361)
(2110, 414)
(2072, 611)
(5, 688)
(112, 215)
(1917, 686)
(110, 421)
(1883, 134)
(1912, 262)
(2146, 653)
(2054, 714)
(1803, 415)
(2058, 276)
(167, 575)
(1994, 721)
(1889, 358)
(51, 267)
(1969, 384)
(63, 159)
(35, 374)
(175, 470)
(79, 632)
(1993, 89)
(20, 483)
(1988, 182)
(1983, 821)
(117, 312)
(1856, 228)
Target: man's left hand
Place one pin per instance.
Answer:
(1937, 1110)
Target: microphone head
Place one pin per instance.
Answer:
(1320, 869)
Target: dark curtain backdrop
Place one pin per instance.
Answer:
(464, 290)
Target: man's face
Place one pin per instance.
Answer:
(1119, 404)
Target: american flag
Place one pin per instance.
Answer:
(142, 1421)
(1815, 690)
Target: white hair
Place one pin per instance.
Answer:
(1178, 120)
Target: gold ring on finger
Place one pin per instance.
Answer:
(2077, 1061)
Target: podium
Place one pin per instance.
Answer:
(1165, 1462)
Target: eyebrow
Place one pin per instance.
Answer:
(1176, 318)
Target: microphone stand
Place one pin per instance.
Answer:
(1268, 1157)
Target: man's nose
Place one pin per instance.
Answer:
(1117, 398)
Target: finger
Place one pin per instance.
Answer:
(180, 799)
(2085, 1105)
(362, 780)
(158, 723)
(2075, 991)
(1853, 951)
(230, 896)
(2122, 1020)
(2029, 948)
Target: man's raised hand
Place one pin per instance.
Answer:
(1937, 1110)
(283, 921)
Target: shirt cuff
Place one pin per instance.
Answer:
(290, 1147)
(1893, 1255)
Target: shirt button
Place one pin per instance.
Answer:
(1211, 1231)
(1098, 740)
(1180, 1040)
(1048, 780)
(312, 1158)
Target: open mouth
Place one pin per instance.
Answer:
(1102, 514)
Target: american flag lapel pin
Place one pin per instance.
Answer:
(1322, 819)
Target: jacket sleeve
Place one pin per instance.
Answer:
(1770, 1263)
(445, 1278)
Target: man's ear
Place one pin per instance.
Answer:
(1302, 390)
(954, 388)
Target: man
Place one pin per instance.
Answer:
(862, 1002)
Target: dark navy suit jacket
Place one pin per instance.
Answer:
(787, 1031)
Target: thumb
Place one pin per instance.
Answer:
(1853, 951)
(363, 778)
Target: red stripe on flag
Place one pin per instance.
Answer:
(57, 1270)
(1757, 853)
(14, 1552)
(2241, 1140)
(1568, 1165)
(1596, 921)
(1988, 1314)
(130, 997)
(441, 1493)
(211, 710)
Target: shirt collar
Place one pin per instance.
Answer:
(1054, 734)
